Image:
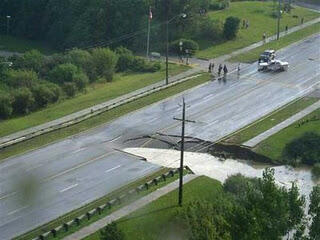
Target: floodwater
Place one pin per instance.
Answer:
(208, 165)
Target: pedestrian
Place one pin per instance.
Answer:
(209, 69)
(286, 29)
(225, 69)
(302, 20)
(264, 36)
(244, 23)
(219, 69)
(212, 67)
(247, 23)
(238, 68)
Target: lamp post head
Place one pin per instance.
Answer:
(183, 15)
(8, 17)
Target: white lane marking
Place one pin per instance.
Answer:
(17, 210)
(68, 188)
(116, 138)
(78, 150)
(8, 195)
(111, 169)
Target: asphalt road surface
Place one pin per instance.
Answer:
(44, 184)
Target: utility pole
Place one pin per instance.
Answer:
(167, 41)
(279, 15)
(183, 120)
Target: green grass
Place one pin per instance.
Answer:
(254, 54)
(273, 146)
(260, 21)
(271, 120)
(96, 93)
(76, 213)
(156, 220)
(100, 119)
(20, 45)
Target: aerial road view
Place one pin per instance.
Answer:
(185, 120)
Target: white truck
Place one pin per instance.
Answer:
(267, 62)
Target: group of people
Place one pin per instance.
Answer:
(220, 68)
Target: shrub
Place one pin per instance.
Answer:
(219, 5)
(126, 59)
(23, 100)
(32, 60)
(81, 80)
(316, 170)
(111, 232)
(21, 78)
(141, 65)
(105, 62)
(56, 91)
(42, 95)
(304, 149)
(63, 73)
(70, 88)
(210, 29)
(231, 27)
(189, 44)
(5, 105)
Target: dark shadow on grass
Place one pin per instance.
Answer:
(146, 214)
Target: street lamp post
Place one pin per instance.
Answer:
(8, 24)
(183, 15)
(278, 24)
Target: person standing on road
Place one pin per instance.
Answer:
(209, 69)
(238, 69)
(225, 69)
(264, 36)
(219, 69)
(212, 66)
(247, 23)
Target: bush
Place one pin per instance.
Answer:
(63, 73)
(42, 95)
(105, 62)
(56, 90)
(5, 105)
(304, 149)
(189, 44)
(141, 65)
(126, 59)
(316, 170)
(219, 5)
(21, 78)
(111, 232)
(23, 101)
(210, 29)
(231, 27)
(32, 60)
(81, 80)
(70, 88)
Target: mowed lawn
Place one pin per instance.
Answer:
(157, 221)
(259, 15)
(274, 145)
(96, 93)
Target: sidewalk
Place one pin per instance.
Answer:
(201, 65)
(256, 140)
(94, 227)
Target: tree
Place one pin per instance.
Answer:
(314, 211)
(126, 59)
(32, 60)
(23, 100)
(111, 232)
(70, 88)
(304, 149)
(42, 95)
(208, 220)
(63, 73)
(105, 62)
(231, 27)
(5, 105)
(81, 80)
(21, 78)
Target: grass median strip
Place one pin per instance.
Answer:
(271, 120)
(93, 205)
(96, 93)
(273, 146)
(100, 119)
(254, 54)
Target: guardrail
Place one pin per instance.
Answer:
(77, 221)
(86, 114)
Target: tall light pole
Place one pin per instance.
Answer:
(279, 15)
(182, 15)
(8, 24)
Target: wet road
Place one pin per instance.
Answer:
(65, 175)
